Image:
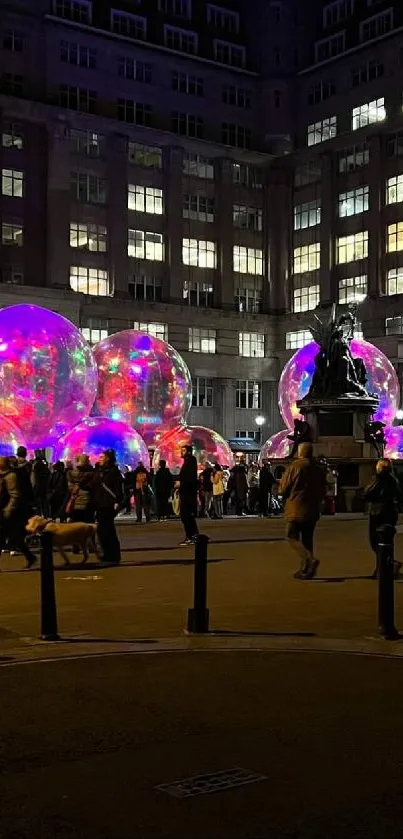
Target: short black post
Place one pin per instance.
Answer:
(198, 617)
(386, 591)
(48, 596)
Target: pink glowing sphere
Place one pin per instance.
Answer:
(142, 381)
(276, 447)
(394, 442)
(48, 377)
(94, 435)
(208, 447)
(297, 375)
(10, 437)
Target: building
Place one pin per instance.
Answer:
(209, 172)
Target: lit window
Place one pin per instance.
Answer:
(307, 258)
(199, 208)
(306, 298)
(145, 199)
(297, 339)
(395, 281)
(223, 18)
(351, 248)
(187, 125)
(77, 10)
(394, 190)
(354, 202)
(369, 113)
(248, 300)
(249, 435)
(248, 260)
(248, 394)
(88, 189)
(144, 245)
(307, 215)
(88, 237)
(318, 132)
(251, 344)
(86, 142)
(200, 253)
(376, 26)
(94, 281)
(353, 289)
(395, 237)
(186, 83)
(198, 166)
(181, 40)
(132, 26)
(202, 392)
(247, 218)
(394, 326)
(147, 156)
(156, 330)
(198, 294)
(12, 136)
(143, 287)
(353, 158)
(231, 54)
(202, 340)
(12, 233)
(96, 330)
(73, 53)
(12, 183)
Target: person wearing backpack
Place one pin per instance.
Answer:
(14, 511)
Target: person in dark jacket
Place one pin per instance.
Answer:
(106, 488)
(14, 511)
(78, 485)
(385, 499)
(188, 486)
(163, 483)
(142, 492)
(39, 479)
(240, 485)
(128, 485)
(206, 489)
(266, 484)
(58, 491)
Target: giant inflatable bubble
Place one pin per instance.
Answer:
(394, 442)
(48, 377)
(10, 437)
(277, 446)
(142, 381)
(297, 375)
(94, 435)
(208, 447)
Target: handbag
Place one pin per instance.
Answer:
(176, 503)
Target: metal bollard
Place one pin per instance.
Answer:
(48, 596)
(386, 589)
(198, 617)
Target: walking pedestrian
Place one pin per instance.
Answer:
(206, 489)
(14, 511)
(58, 491)
(163, 483)
(188, 486)
(218, 491)
(106, 486)
(303, 488)
(40, 475)
(385, 500)
(142, 492)
(266, 484)
(240, 485)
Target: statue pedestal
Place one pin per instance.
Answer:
(337, 431)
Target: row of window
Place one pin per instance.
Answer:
(366, 114)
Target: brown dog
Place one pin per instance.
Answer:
(63, 535)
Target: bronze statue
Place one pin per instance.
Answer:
(337, 374)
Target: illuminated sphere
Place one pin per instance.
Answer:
(208, 447)
(277, 446)
(142, 381)
(94, 435)
(297, 375)
(394, 442)
(10, 437)
(48, 377)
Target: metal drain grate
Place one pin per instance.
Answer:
(213, 782)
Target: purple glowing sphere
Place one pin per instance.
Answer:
(394, 442)
(94, 435)
(208, 447)
(382, 381)
(142, 381)
(10, 437)
(48, 377)
(276, 447)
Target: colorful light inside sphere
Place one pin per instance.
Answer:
(394, 442)
(208, 447)
(10, 437)
(48, 377)
(297, 375)
(94, 435)
(276, 447)
(142, 381)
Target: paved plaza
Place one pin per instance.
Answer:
(292, 685)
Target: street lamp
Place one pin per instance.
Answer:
(260, 421)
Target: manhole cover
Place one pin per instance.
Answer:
(212, 782)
